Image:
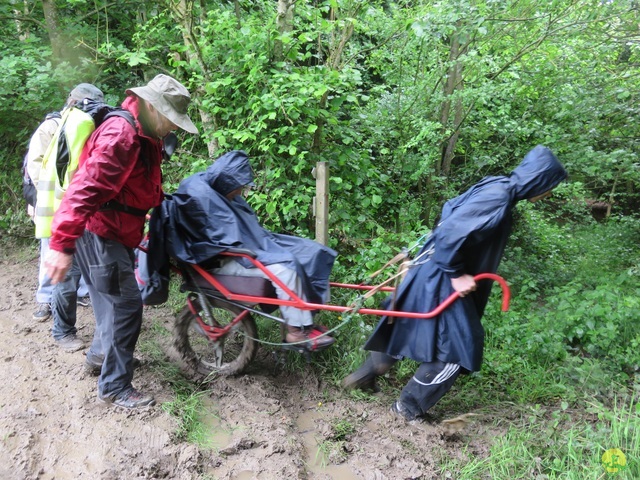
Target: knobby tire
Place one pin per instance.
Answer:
(194, 347)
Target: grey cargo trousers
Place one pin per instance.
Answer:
(108, 268)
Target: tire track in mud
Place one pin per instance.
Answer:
(261, 435)
(276, 424)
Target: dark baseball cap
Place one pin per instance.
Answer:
(86, 90)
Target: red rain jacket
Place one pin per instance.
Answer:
(117, 163)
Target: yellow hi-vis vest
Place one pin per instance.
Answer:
(59, 163)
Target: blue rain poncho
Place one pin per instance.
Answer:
(198, 222)
(469, 239)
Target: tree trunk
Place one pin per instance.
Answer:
(284, 21)
(236, 6)
(333, 62)
(51, 21)
(183, 12)
(450, 146)
(22, 28)
(454, 83)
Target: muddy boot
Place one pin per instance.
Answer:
(310, 338)
(376, 364)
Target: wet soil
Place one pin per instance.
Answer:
(266, 424)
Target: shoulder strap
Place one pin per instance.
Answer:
(56, 115)
(126, 114)
(113, 204)
(101, 111)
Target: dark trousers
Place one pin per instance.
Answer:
(108, 268)
(427, 386)
(64, 298)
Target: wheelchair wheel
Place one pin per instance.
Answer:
(229, 355)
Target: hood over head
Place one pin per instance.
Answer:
(539, 172)
(229, 172)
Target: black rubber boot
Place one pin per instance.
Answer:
(364, 378)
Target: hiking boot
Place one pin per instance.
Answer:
(362, 379)
(84, 301)
(93, 364)
(320, 328)
(70, 343)
(43, 312)
(131, 398)
(311, 338)
(400, 411)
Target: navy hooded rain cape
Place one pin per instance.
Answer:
(198, 222)
(469, 239)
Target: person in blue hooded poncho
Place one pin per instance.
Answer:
(469, 239)
(208, 215)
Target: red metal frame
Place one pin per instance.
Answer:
(213, 332)
(301, 304)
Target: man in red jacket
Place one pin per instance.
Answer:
(101, 219)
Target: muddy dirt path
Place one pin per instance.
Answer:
(263, 425)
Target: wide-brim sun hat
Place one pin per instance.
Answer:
(170, 98)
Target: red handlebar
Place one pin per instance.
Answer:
(506, 293)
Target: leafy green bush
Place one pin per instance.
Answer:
(574, 312)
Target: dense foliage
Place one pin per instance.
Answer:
(409, 103)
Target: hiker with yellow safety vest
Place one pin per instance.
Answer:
(74, 128)
(39, 144)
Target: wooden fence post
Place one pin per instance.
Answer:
(321, 202)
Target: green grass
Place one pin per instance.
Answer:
(188, 408)
(561, 444)
(332, 447)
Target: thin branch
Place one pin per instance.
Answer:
(117, 3)
(21, 18)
